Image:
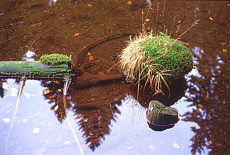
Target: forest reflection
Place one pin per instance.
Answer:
(207, 90)
(94, 108)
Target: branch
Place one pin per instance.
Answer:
(88, 79)
(98, 42)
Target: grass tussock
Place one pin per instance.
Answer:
(133, 55)
(155, 60)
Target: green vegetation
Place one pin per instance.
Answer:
(55, 59)
(155, 60)
(48, 66)
(166, 55)
(158, 113)
(162, 109)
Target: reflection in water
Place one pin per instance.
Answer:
(94, 110)
(95, 121)
(207, 91)
(20, 90)
(52, 2)
(149, 3)
(28, 56)
(75, 136)
(55, 96)
(1, 88)
(177, 91)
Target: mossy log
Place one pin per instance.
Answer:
(34, 69)
(161, 117)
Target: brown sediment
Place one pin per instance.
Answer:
(98, 42)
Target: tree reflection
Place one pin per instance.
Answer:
(95, 121)
(96, 108)
(208, 93)
(55, 96)
(1, 89)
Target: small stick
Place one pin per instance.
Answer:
(88, 79)
(38, 37)
(98, 42)
(187, 44)
(10, 39)
(195, 23)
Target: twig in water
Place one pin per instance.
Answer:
(98, 42)
(21, 86)
(195, 23)
(38, 37)
(10, 39)
(75, 135)
(172, 26)
(163, 18)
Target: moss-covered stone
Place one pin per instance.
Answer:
(161, 117)
(155, 61)
(55, 59)
(168, 56)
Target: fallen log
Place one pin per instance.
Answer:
(36, 69)
(88, 79)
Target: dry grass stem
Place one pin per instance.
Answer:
(133, 56)
(137, 67)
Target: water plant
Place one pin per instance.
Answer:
(156, 60)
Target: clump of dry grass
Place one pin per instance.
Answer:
(132, 57)
(132, 62)
(155, 60)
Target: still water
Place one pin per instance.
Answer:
(107, 118)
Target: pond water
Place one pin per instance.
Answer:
(107, 118)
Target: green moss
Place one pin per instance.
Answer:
(160, 108)
(55, 59)
(167, 56)
(34, 69)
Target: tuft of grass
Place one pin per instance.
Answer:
(155, 59)
(133, 56)
(55, 59)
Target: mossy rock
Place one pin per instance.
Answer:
(155, 61)
(167, 56)
(161, 117)
(55, 59)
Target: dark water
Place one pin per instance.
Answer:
(106, 118)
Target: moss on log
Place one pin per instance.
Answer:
(55, 59)
(34, 69)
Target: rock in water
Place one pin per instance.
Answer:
(161, 117)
